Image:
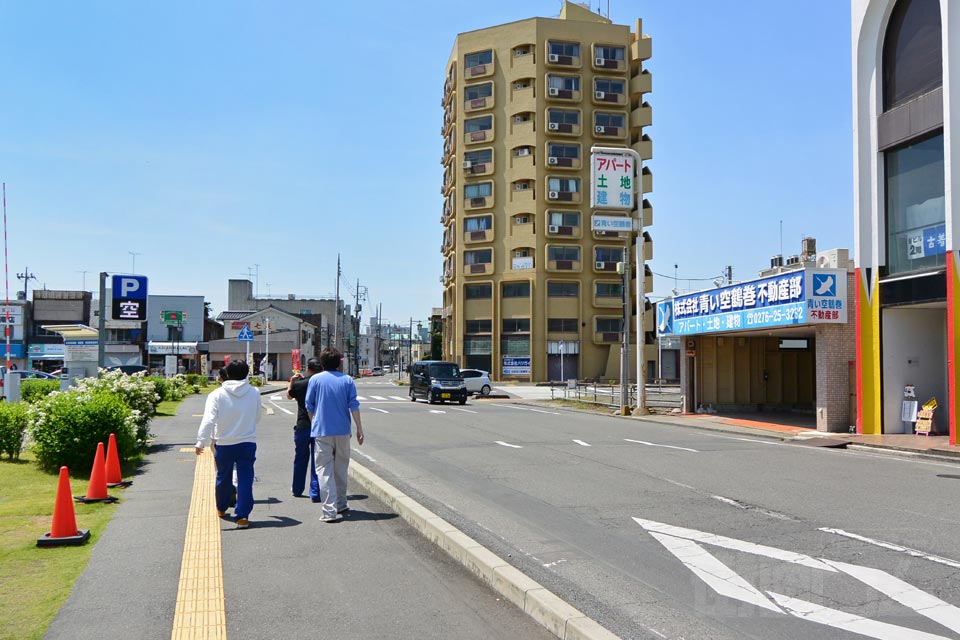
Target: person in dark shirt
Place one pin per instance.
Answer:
(303, 453)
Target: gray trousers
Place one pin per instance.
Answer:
(332, 457)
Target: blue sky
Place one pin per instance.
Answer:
(212, 136)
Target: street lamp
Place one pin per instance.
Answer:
(410, 345)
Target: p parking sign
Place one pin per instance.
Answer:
(129, 297)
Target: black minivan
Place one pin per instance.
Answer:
(437, 381)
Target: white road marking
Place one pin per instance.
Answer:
(464, 410)
(269, 410)
(375, 409)
(848, 621)
(734, 544)
(552, 413)
(553, 564)
(436, 411)
(354, 451)
(506, 444)
(273, 401)
(400, 398)
(717, 575)
(378, 397)
(894, 547)
(665, 446)
(582, 443)
(747, 507)
(361, 398)
(510, 406)
(905, 593)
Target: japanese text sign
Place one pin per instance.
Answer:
(129, 297)
(612, 179)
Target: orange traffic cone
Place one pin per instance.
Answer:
(97, 489)
(64, 530)
(114, 477)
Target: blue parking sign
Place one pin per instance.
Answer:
(129, 297)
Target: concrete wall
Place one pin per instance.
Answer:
(914, 352)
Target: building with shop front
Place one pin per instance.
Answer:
(125, 339)
(906, 101)
(175, 327)
(45, 349)
(17, 317)
(526, 282)
(285, 339)
(783, 343)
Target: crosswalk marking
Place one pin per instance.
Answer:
(582, 443)
(507, 444)
(380, 410)
(361, 398)
(399, 398)
(378, 397)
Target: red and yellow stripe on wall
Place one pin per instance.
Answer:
(869, 396)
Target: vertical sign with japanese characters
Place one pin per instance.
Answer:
(129, 297)
(612, 181)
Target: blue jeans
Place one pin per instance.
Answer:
(302, 456)
(242, 456)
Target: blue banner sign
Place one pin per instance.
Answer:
(516, 366)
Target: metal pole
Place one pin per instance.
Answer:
(266, 373)
(625, 336)
(102, 321)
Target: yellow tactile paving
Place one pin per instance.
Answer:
(200, 611)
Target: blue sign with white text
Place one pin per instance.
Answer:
(129, 297)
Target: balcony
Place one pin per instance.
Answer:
(563, 196)
(647, 247)
(641, 117)
(555, 162)
(479, 202)
(479, 71)
(563, 128)
(522, 191)
(563, 231)
(569, 95)
(609, 98)
(471, 169)
(473, 137)
(563, 265)
(607, 302)
(642, 48)
(560, 60)
(647, 213)
(644, 146)
(646, 180)
(478, 104)
(606, 64)
(474, 237)
(478, 269)
(604, 131)
(640, 84)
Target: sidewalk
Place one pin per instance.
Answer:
(289, 575)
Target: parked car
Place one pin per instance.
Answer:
(437, 381)
(128, 369)
(26, 374)
(377, 371)
(477, 381)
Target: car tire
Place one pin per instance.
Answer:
(463, 400)
(413, 398)
(430, 398)
(485, 390)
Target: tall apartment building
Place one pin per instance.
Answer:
(528, 287)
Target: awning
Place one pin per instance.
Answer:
(73, 331)
(171, 348)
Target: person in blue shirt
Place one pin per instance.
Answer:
(331, 401)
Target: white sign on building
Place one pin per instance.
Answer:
(612, 178)
(525, 262)
(611, 223)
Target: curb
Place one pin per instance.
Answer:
(548, 609)
(902, 453)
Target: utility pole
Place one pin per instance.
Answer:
(102, 320)
(26, 276)
(133, 265)
(356, 330)
(266, 373)
(336, 319)
(377, 342)
(624, 269)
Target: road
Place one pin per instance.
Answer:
(662, 531)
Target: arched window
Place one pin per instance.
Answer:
(912, 57)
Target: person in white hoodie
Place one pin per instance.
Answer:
(230, 420)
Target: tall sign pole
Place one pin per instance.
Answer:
(102, 320)
(6, 269)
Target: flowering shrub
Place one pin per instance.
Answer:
(33, 390)
(255, 381)
(137, 391)
(66, 427)
(13, 426)
(173, 388)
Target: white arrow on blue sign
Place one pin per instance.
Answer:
(245, 334)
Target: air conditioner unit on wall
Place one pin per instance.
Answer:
(553, 91)
(553, 195)
(600, 265)
(599, 95)
(553, 228)
(518, 118)
(599, 62)
(467, 164)
(553, 126)
(600, 129)
(553, 57)
(551, 160)
(523, 151)
(521, 186)
(833, 259)
(520, 52)
(518, 254)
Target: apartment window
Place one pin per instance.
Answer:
(609, 53)
(516, 325)
(562, 325)
(478, 326)
(570, 49)
(477, 91)
(608, 289)
(608, 254)
(570, 185)
(912, 52)
(571, 151)
(516, 289)
(477, 345)
(472, 125)
(478, 256)
(563, 253)
(119, 335)
(564, 218)
(479, 190)
(477, 223)
(563, 289)
(608, 325)
(478, 58)
(610, 120)
(563, 116)
(563, 83)
(175, 334)
(609, 86)
(478, 291)
(483, 156)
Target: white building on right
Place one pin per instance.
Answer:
(906, 101)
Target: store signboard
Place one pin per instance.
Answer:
(80, 350)
(516, 366)
(611, 181)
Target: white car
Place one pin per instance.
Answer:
(477, 381)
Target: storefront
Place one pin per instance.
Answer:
(45, 357)
(185, 352)
(778, 344)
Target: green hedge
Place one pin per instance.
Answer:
(13, 426)
(33, 390)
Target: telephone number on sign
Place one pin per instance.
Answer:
(774, 316)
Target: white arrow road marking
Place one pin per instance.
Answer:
(665, 446)
(904, 593)
(464, 410)
(717, 575)
(506, 444)
(354, 451)
(399, 398)
(378, 397)
(582, 443)
(894, 547)
(273, 401)
(375, 409)
(436, 411)
(734, 544)
(848, 621)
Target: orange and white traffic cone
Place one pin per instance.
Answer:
(64, 530)
(97, 489)
(114, 476)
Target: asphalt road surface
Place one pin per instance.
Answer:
(665, 531)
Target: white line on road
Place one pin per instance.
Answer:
(509, 406)
(361, 398)
(354, 451)
(747, 507)
(848, 621)
(582, 443)
(507, 444)
(400, 398)
(894, 547)
(378, 397)
(717, 575)
(552, 413)
(464, 410)
(375, 409)
(436, 411)
(273, 401)
(904, 593)
(665, 446)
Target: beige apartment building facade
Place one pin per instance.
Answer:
(530, 293)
